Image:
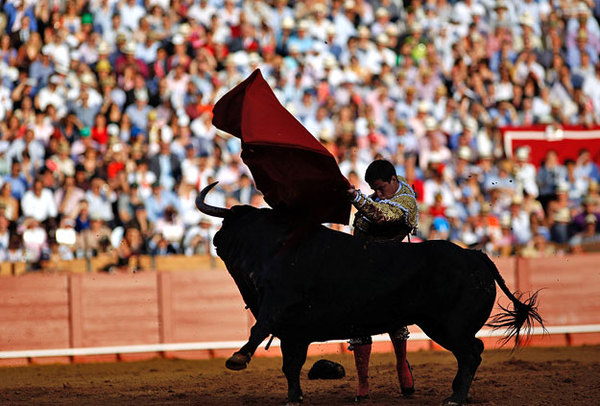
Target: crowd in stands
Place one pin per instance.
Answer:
(105, 114)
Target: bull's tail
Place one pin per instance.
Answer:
(519, 320)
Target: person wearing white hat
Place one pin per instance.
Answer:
(462, 170)
(332, 72)
(582, 19)
(534, 9)
(588, 236)
(319, 24)
(52, 94)
(344, 22)
(41, 69)
(525, 173)
(387, 55)
(432, 146)
(382, 21)
(301, 38)
(138, 111)
(128, 58)
(521, 227)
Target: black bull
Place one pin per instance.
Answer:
(326, 285)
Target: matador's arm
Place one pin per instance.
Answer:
(401, 208)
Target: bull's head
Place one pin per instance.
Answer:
(247, 241)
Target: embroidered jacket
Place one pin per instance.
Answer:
(392, 218)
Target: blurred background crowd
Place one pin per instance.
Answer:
(105, 114)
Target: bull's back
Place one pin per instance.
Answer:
(375, 282)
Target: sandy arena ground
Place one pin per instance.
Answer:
(532, 376)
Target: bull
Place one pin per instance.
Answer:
(328, 285)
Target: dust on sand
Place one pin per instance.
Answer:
(531, 376)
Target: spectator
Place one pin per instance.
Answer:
(9, 206)
(166, 166)
(100, 198)
(35, 239)
(243, 194)
(538, 247)
(580, 219)
(5, 236)
(525, 173)
(158, 201)
(66, 238)
(559, 230)
(171, 227)
(588, 236)
(68, 197)
(519, 221)
(549, 176)
(95, 239)
(426, 87)
(38, 203)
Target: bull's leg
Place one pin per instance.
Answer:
(294, 356)
(240, 359)
(466, 348)
(468, 356)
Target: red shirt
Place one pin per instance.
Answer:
(114, 168)
(100, 135)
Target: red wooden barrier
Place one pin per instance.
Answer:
(84, 310)
(571, 286)
(34, 312)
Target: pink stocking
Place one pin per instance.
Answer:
(362, 353)
(404, 373)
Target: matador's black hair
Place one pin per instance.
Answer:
(380, 169)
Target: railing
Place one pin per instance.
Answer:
(103, 262)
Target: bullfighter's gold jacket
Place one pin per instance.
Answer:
(387, 219)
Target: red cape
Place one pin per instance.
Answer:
(290, 167)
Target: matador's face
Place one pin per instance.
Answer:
(384, 189)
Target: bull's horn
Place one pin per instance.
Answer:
(205, 208)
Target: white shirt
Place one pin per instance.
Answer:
(55, 98)
(201, 14)
(130, 16)
(99, 205)
(59, 53)
(40, 208)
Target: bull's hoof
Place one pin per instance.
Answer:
(296, 403)
(452, 402)
(238, 361)
(361, 398)
(470, 396)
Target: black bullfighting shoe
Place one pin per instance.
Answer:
(238, 361)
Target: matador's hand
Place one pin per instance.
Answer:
(351, 192)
